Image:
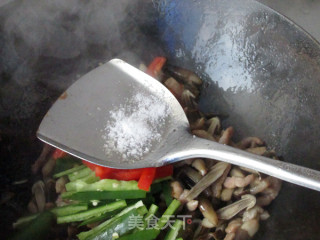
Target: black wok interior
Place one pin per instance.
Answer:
(261, 72)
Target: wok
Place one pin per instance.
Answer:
(261, 75)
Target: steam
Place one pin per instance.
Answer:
(47, 45)
(63, 29)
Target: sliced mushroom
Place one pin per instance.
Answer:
(203, 134)
(50, 186)
(257, 150)
(226, 136)
(192, 205)
(61, 184)
(217, 186)
(48, 168)
(206, 223)
(258, 186)
(215, 172)
(188, 99)
(175, 87)
(250, 227)
(250, 142)
(236, 172)
(233, 225)
(186, 76)
(269, 194)
(241, 235)
(265, 215)
(214, 126)
(198, 124)
(176, 189)
(32, 206)
(38, 189)
(226, 194)
(238, 192)
(233, 182)
(200, 165)
(246, 202)
(229, 236)
(207, 211)
(42, 159)
(253, 213)
(183, 196)
(189, 176)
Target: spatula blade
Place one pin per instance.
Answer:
(76, 122)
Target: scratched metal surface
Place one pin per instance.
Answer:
(263, 74)
(304, 13)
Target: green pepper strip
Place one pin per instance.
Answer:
(66, 163)
(104, 195)
(69, 171)
(92, 212)
(179, 238)
(169, 212)
(152, 211)
(109, 225)
(174, 231)
(118, 227)
(99, 218)
(122, 225)
(159, 180)
(167, 192)
(91, 178)
(69, 209)
(105, 185)
(79, 174)
(146, 234)
(37, 229)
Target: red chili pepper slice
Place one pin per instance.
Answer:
(164, 171)
(104, 172)
(155, 66)
(127, 174)
(146, 178)
(90, 165)
(58, 154)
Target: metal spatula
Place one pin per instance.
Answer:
(118, 116)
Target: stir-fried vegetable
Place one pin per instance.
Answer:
(198, 199)
(116, 226)
(69, 209)
(173, 233)
(69, 171)
(104, 195)
(92, 212)
(145, 176)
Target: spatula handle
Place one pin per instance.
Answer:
(198, 147)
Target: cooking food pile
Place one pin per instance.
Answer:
(193, 199)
